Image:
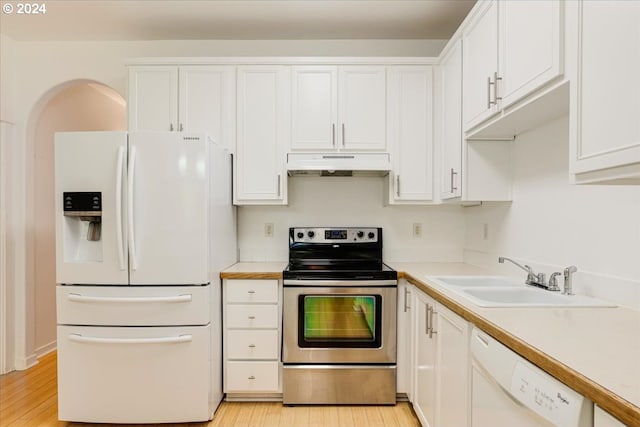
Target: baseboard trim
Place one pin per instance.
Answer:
(24, 363)
(46, 349)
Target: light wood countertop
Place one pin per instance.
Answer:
(595, 351)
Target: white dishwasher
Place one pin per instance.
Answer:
(507, 391)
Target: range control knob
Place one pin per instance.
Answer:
(311, 234)
(360, 234)
(371, 235)
(300, 234)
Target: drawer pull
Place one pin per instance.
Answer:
(168, 299)
(252, 317)
(251, 292)
(252, 377)
(252, 346)
(160, 340)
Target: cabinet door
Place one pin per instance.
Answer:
(362, 108)
(451, 131)
(153, 98)
(604, 419)
(314, 109)
(530, 47)
(405, 339)
(424, 399)
(262, 134)
(410, 113)
(208, 102)
(605, 135)
(452, 368)
(480, 64)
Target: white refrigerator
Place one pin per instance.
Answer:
(144, 224)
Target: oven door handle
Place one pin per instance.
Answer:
(340, 283)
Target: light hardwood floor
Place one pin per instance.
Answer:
(29, 398)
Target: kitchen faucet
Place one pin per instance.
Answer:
(533, 279)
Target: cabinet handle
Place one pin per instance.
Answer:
(431, 312)
(252, 377)
(252, 317)
(406, 300)
(495, 88)
(489, 83)
(333, 134)
(171, 127)
(453, 174)
(278, 185)
(343, 143)
(398, 185)
(252, 346)
(426, 321)
(251, 292)
(181, 128)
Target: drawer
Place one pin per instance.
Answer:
(252, 316)
(134, 375)
(249, 291)
(252, 377)
(252, 344)
(133, 305)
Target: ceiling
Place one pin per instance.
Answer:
(236, 20)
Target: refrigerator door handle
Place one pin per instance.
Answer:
(132, 240)
(119, 230)
(160, 340)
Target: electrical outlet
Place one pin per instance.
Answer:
(268, 229)
(485, 231)
(417, 229)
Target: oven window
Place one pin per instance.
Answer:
(339, 320)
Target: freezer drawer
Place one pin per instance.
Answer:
(134, 375)
(133, 306)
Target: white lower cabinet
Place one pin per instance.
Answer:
(601, 418)
(251, 336)
(404, 359)
(441, 392)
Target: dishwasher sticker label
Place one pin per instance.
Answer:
(547, 397)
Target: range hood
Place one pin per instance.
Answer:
(338, 164)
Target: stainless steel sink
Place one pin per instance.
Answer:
(500, 291)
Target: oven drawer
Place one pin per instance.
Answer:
(133, 374)
(252, 344)
(133, 305)
(252, 316)
(252, 377)
(252, 291)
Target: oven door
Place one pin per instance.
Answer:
(339, 324)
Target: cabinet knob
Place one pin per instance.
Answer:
(252, 346)
(252, 317)
(171, 127)
(252, 377)
(251, 292)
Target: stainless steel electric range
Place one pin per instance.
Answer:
(339, 318)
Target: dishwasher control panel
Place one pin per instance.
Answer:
(545, 395)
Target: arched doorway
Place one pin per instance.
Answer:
(72, 106)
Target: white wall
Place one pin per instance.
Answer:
(355, 201)
(551, 224)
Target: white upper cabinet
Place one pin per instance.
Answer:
(530, 47)
(339, 108)
(315, 108)
(263, 134)
(153, 98)
(511, 50)
(207, 102)
(410, 133)
(480, 39)
(450, 105)
(604, 57)
(184, 98)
